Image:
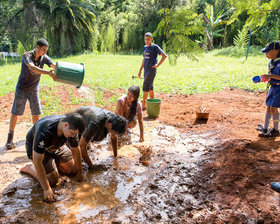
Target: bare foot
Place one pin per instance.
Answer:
(26, 169)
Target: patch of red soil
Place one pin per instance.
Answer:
(237, 174)
(63, 93)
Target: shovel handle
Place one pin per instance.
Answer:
(134, 77)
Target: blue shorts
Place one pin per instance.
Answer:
(273, 97)
(148, 83)
(20, 101)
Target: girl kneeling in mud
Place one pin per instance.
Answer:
(129, 107)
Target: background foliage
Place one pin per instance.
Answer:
(77, 26)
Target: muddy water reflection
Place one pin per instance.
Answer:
(121, 189)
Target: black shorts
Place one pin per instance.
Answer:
(51, 160)
(148, 83)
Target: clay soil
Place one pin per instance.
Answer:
(233, 183)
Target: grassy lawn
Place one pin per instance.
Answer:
(213, 71)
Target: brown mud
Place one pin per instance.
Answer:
(186, 171)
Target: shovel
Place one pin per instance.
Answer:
(135, 77)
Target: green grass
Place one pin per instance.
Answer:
(214, 71)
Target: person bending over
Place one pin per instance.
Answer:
(44, 143)
(99, 123)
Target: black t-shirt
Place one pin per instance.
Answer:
(42, 137)
(95, 118)
(28, 80)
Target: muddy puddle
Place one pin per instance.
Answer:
(150, 182)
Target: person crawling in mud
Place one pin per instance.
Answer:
(100, 123)
(44, 146)
(129, 107)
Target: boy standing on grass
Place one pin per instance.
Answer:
(272, 51)
(150, 65)
(28, 85)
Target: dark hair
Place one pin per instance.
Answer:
(135, 90)
(148, 34)
(42, 42)
(118, 123)
(75, 121)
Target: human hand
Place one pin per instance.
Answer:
(99, 167)
(91, 167)
(80, 177)
(51, 74)
(155, 66)
(49, 196)
(265, 76)
(141, 139)
(139, 75)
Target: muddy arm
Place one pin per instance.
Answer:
(77, 156)
(119, 108)
(114, 142)
(83, 146)
(42, 177)
(141, 126)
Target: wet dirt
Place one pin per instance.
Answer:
(186, 171)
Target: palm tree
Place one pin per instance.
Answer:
(67, 19)
(211, 26)
(178, 25)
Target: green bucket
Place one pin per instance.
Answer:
(153, 107)
(70, 73)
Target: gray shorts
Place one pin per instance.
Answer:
(52, 160)
(148, 83)
(20, 100)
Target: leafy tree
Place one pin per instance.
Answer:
(242, 38)
(178, 25)
(269, 31)
(212, 23)
(257, 11)
(20, 48)
(66, 19)
(10, 11)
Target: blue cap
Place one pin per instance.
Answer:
(274, 45)
(256, 79)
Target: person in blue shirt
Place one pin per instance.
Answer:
(150, 65)
(272, 51)
(28, 85)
